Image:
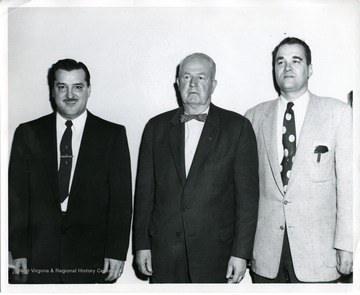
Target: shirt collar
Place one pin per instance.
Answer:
(299, 102)
(206, 111)
(78, 123)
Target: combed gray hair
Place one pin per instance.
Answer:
(204, 56)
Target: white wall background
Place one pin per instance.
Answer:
(132, 54)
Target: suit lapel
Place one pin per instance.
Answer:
(177, 143)
(269, 128)
(49, 152)
(308, 131)
(208, 136)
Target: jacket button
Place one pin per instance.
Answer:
(178, 234)
(286, 202)
(186, 209)
(281, 227)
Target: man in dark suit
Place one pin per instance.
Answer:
(69, 189)
(197, 187)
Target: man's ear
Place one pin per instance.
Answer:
(89, 90)
(310, 71)
(214, 83)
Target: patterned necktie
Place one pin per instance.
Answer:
(65, 162)
(185, 118)
(289, 144)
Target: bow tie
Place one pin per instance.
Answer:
(201, 117)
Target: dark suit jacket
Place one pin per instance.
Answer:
(213, 211)
(97, 222)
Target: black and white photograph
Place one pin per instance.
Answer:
(180, 146)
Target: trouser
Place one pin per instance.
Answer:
(180, 271)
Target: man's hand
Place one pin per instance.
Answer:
(20, 266)
(236, 270)
(114, 267)
(344, 262)
(143, 261)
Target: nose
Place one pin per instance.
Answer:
(288, 67)
(69, 93)
(194, 82)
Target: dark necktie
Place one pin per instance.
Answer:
(185, 118)
(289, 144)
(65, 162)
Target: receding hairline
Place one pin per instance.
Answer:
(201, 56)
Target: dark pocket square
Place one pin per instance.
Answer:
(321, 149)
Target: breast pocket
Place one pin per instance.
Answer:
(322, 159)
(221, 161)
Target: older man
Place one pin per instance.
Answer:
(197, 187)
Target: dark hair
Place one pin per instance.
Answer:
(291, 41)
(67, 65)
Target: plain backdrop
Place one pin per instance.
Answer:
(132, 53)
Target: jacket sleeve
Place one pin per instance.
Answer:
(144, 195)
(246, 180)
(344, 182)
(120, 207)
(18, 196)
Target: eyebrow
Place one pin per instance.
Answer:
(297, 57)
(76, 84)
(198, 74)
(294, 57)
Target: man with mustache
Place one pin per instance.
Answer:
(69, 189)
(197, 187)
(304, 228)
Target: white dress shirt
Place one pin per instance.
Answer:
(193, 129)
(77, 131)
(299, 108)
